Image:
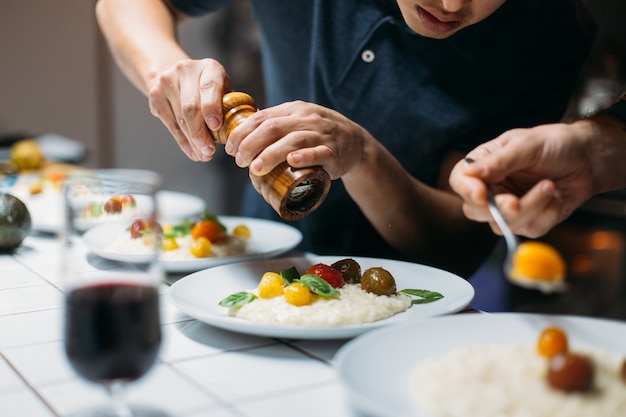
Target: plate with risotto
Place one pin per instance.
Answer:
(192, 244)
(488, 365)
(318, 297)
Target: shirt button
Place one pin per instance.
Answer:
(368, 56)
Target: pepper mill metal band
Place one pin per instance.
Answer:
(292, 193)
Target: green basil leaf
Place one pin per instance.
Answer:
(426, 296)
(290, 274)
(182, 229)
(96, 209)
(238, 299)
(318, 286)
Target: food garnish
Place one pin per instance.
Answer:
(552, 341)
(204, 233)
(328, 274)
(571, 372)
(425, 296)
(350, 270)
(322, 280)
(567, 371)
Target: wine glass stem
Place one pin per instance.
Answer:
(117, 393)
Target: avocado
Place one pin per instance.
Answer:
(15, 222)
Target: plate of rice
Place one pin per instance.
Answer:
(481, 365)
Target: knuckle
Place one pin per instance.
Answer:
(257, 117)
(184, 65)
(190, 108)
(270, 125)
(207, 84)
(314, 118)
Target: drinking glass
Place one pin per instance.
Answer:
(112, 324)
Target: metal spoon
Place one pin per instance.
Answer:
(509, 237)
(512, 244)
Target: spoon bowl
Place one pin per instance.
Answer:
(547, 257)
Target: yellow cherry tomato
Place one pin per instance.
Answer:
(538, 261)
(271, 285)
(552, 341)
(201, 247)
(297, 294)
(167, 228)
(169, 243)
(242, 231)
(149, 238)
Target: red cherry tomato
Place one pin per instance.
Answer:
(141, 227)
(137, 228)
(128, 201)
(328, 274)
(113, 205)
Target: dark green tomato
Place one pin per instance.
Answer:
(350, 270)
(378, 281)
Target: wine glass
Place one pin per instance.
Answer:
(112, 322)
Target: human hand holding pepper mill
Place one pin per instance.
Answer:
(292, 193)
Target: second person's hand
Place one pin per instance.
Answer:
(303, 134)
(539, 175)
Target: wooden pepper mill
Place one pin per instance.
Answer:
(292, 193)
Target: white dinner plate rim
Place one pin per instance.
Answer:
(180, 292)
(384, 395)
(289, 237)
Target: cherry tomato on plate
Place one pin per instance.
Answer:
(209, 230)
(328, 274)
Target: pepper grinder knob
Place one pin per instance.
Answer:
(292, 193)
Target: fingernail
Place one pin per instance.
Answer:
(295, 157)
(213, 123)
(468, 160)
(228, 148)
(256, 165)
(239, 160)
(206, 151)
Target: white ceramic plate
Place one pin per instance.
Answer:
(267, 239)
(198, 295)
(46, 210)
(381, 387)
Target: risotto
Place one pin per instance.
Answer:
(510, 381)
(354, 306)
(228, 246)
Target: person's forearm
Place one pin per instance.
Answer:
(424, 223)
(141, 35)
(607, 151)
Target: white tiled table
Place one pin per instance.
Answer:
(202, 371)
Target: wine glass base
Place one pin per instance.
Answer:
(107, 411)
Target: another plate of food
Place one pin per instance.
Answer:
(46, 209)
(488, 365)
(42, 194)
(318, 297)
(194, 243)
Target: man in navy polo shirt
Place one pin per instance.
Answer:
(386, 95)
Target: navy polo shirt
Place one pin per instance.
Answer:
(420, 97)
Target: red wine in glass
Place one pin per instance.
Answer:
(112, 330)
